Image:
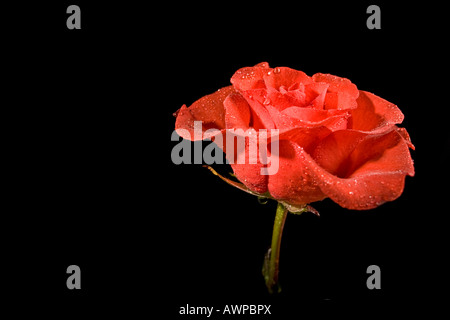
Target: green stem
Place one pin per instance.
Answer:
(272, 259)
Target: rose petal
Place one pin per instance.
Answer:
(295, 117)
(284, 76)
(340, 101)
(208, 109)
(369, 174)
(374, 113)
(341, 93)
(332, 152)
(300, 179)
(285, 99)
(260, 116)
(366, 191)
(237, 111)
(237, 116)
(250, 77)
(337, 84)
(345, 152)
(248, 172)
(293, 182)
(306, 137)
(315, 94)
(381, 153)
(332, 119)
(405, 136)
(264, 65)
(237, 119)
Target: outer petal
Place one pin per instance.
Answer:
(365, 192)
(405, 135)
(237, 116)
(247, 173)
(209, 110)
(374, 179)
(294, 181)
(381, 153)
(344, 153)
(361, 171)
(237, 111)
(250, 77)
(374, 113)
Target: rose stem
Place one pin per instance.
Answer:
(270, 269)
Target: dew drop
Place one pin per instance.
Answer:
(350, 192)
(266, 102)
(276, 70)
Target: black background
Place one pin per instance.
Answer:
(93, 182)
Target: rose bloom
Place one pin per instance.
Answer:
(335, 141)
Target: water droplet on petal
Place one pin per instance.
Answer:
(350, 192)
(276, 70)
(266, 102)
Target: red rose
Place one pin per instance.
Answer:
(335, 141)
